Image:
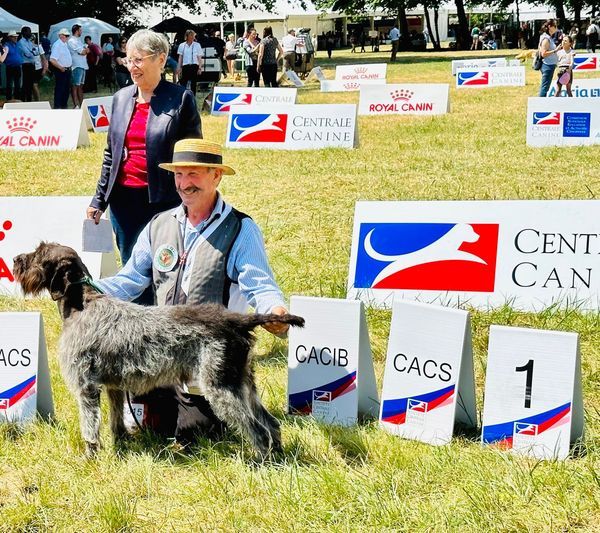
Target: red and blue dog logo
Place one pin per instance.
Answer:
(524, 428)
(427, 256)
(417, 405)
(474, 78)
(261, 128)
(224, 101)
(98, 116)
(585, 63)
(546, 119)
(321, 396)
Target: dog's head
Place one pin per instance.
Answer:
(50, 266)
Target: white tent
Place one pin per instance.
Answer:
(93, 27)
(9, 22)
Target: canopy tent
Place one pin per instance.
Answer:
(93, 27)
(9, 22)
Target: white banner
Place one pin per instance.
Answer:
(336, 86)
(588, 88)
(330, 367)
(24, 376)
(293, 127)
(40, 129)
(266, 97)
(26, 221)
(586, 62)
(528, 254)
(97, 112)
(27, 105)
(367, 73)
(404, 99)
(481, 78)
(532, 401)
(478, 63)
(428, 383)
(562, 122)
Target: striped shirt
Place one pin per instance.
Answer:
(247, 264)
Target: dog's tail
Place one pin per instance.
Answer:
(252, 321)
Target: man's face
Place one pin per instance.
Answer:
(196, 185)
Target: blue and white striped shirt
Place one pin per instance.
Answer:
(247, 264)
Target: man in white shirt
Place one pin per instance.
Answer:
(60, 59)
(591, 34)
(395, 38)
(288, 43)
(190, 60)
(78, 53)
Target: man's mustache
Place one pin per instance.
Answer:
(188, 190)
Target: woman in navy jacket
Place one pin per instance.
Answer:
(147, 119)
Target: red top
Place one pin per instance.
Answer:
(134, 171)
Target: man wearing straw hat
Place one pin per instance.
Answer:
(204, 251)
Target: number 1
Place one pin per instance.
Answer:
(528, 381)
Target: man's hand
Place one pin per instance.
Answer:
(276, 328)
(94, 214)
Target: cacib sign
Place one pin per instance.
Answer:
(404, 99)
(529, 253)
(293, 127)
(225, 98)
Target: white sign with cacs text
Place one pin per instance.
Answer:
(26, 221)
(478, 63)
(368, 73)
(404, 99)
(527, 254)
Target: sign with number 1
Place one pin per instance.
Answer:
(533, 401)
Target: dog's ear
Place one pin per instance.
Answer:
(32, 281)
(62, 278)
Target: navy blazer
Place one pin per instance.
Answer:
(172, 116)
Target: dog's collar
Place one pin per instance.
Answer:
(86, 280)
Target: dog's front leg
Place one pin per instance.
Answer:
(89, 417)
(116, 400)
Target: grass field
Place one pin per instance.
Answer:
(330, 478)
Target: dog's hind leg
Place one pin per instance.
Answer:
(235, 411)
(89, 416)
(116, 399)
(267, 419)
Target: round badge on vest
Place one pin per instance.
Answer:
(165, 258)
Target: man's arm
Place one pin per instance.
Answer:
(200, 59)
(135, 276)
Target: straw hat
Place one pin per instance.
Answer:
(197, 153)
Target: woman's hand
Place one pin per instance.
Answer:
(94, 214)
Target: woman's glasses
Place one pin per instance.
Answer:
(136, 61)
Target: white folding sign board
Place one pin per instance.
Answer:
(293, 77)
(586, 62)
(530, 254)
(428, 383)
(330, 368)
(533, 401)
(293, 127)
(40, 129)
(337, 86)
(266, 97)
(478, 63)
(562, 122)
(97, 112)
(26, 221)
(404, 99)
(367, 73)
(586, 88)
(24, 376)
(317, 72)
(481, 78)
(27, 105)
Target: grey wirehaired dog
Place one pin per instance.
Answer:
(120, 346)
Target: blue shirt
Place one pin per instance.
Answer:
(28, 50)
(14, 57)
(247, 264)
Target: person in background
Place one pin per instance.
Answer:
(80, 66)
(61, 61)
(395, 38)
(329, 44)
(548, 49)
(93, 57)
(363, 40)
(13, 61)
(251, 46)
(106, 62)
(190, 61)
(148, 117)
(591, 34)
(269, 53)
(566, 58)
(121, 71)
(288, 43)
(230, 54)
(41, 67)
(29, 51)
(219, 45)
(3, 51)
(574, 34)
(46, 44)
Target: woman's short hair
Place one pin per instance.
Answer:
(550, 23)
(230, 36)
(149, 41)
(188, 33)
(267, 32)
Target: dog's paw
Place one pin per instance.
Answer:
(92, 449)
